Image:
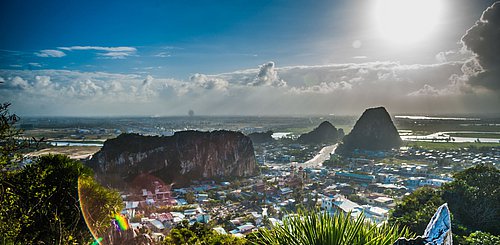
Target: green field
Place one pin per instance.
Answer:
(450, 145)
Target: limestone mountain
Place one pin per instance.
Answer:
(324, 133)
(184, 156)
(373, 131)
(261, 137)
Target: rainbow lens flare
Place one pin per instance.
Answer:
(122, 222)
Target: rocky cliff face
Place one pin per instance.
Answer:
(185, 156)
(373, 131)
(324, 133)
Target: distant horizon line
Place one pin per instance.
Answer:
(450, 116)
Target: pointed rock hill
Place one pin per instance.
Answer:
(185, 156)
(261, 137)
(324, 133)
(373, 131)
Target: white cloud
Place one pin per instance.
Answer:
(482, 39)
(115, 55)
(207, 82)
(268, 76)
(50, 53)
(162, 55)
(108, 52)
(427, 90)
(35, 64)
(322, 89)
(99, 48)
(19, 82)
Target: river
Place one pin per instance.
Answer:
(443, 136)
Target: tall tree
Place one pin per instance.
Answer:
(474, 199)
(9, 145)
(39, 203)
(415, 210)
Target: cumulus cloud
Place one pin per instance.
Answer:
(483, 40)
(322, 89)
(427, 90)
(18, 82)
(50, 53)
(268, 76)
(208, 82)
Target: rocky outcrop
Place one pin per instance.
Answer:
(324, 133)
(185, 156)
(438, 231)
(374, 131)
(264, 137)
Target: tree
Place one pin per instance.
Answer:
(41, 203)
(190, 198)
(481, 238)
(9, 144)
(416, 209)
(474, 198)
(98, 205)
(198, 233)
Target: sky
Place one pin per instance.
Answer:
(249, 57)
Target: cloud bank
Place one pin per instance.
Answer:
(266, 90)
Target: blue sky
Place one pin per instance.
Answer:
(234, 47)
(194, 35)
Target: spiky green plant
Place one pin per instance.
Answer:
(317, 228)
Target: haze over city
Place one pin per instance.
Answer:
(164, 58)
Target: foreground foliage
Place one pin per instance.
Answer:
(321, 228)
(199, 233)
(473, 199)
(481, 238)
(415, 210)
(40, 202)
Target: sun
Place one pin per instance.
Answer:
(407, 21)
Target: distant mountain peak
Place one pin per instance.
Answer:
(324, 133)
(373, 131)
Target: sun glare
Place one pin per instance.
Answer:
(407, 21)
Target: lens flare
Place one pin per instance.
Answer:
(98, 241)
(86, 215)
(122, 222)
